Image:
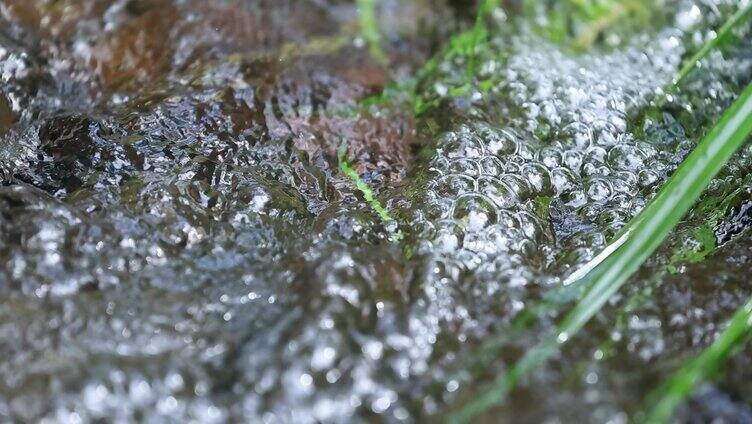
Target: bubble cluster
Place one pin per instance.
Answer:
(510, 208)
(506, 201)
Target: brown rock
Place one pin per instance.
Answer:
(139, 51)
(7, 117)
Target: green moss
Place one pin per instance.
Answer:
(465, 45)
(705, 237)
(707, 214)
(543, 205)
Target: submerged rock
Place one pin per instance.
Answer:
(7, 117)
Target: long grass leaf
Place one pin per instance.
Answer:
(724, 33)
(478, 34)
(702, 367)
(369, 28)
(362, 186)
(648, 231)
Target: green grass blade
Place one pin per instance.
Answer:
(369, 29)
(648, 231)
(478, 34)
(587, 38)
(704, 366)
(361, 185)
(724, 33)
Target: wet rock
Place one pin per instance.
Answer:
(75, 151)
(203, 258)
(69, 139)
(316, 102)
(237, 26)
(739, 220)
(24, 12)
(35, 231)
(68, 151)
(140, 50)
(7, 117)
(713, 404)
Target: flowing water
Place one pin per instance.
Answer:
(177, 242)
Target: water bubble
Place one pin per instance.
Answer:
(626, 157)
(453, 185)
(647, 177)
(492, 166)
(550, 157)
(474, 212)
(465, 146)
(563, 179)
(538, 177)
(498, 191)
(599, 190)
(501, 143)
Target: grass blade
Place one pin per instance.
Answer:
(724, 33)
(478, 34)
(361, 185)
(369, 28)
(704, 366)
(647, 232)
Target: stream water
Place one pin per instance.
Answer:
(177, 242)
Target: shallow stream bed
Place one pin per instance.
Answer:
(178, 241)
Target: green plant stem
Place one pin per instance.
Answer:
(724, 33)
(369, 28)
(702, 367)
(647, 232)
(479, 34)
(361, 185)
